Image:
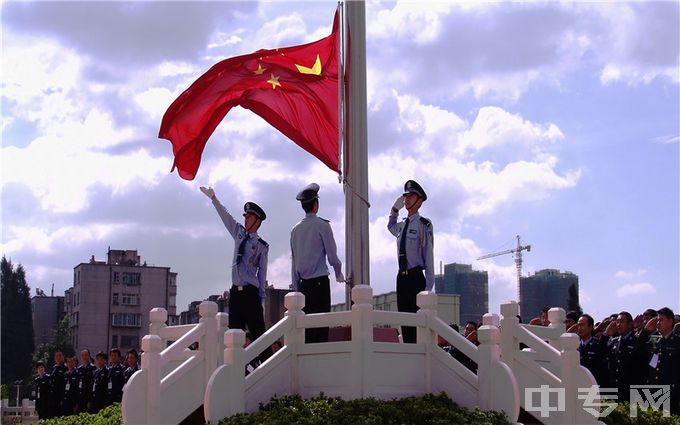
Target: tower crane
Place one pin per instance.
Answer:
(518, 258)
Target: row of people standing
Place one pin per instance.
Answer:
(73, 388)
(312, 244)
(620, 356)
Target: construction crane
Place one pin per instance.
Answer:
(518, 258)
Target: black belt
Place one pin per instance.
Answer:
(416, 269)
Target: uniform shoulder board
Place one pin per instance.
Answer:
(263, 242)
(425, 221)
(327, 221)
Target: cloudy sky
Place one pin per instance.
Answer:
(557, 122)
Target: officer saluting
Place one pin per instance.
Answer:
(311, 242)
(415, 243)
(249, 267)
(664, 365)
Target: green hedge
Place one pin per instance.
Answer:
(322, 410)
(621, 416)
(108, 416)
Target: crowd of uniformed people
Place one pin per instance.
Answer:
(85, 385)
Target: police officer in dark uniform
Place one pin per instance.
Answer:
(69, 403)
(116, 377)
(664, 365)
(592, 349)
(100, 380)
(248, 270)
(85, 381)
(627, 356)
(415, 244)
(132, 359)
(57, 382)
(311, 242)
(41, 389)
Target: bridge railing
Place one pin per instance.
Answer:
(173, 378)
(360, 367)
(550, 365)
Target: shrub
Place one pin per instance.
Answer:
(322, 410)
(621, 416)
(108, 416)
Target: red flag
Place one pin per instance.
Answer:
(295, 89)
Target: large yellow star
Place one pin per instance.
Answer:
(259, 69)
(274, 81)
(314, 70)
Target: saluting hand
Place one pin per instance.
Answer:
(651, 324)
(399, 203)
(208, 191)
(611, 329)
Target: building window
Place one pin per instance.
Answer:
(129, 341)
(132, 278)
(114, 301)
(78, 298)
(126, 320)
(130, 299)
(114, 340)
(116, 277)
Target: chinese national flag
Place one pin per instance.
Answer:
(295, 89)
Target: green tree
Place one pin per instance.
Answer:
(62, 342)
(572, 300)
(16, 323)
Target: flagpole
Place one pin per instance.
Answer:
(356, 149)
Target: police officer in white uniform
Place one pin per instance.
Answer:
(311, 242)
(415, 243)
(248, 270)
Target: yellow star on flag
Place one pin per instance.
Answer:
(274, 81)
(259, 69)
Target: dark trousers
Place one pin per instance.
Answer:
(317, 292)
(408, 286)
(245, 309)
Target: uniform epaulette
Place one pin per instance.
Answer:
(263, 242)
(327, 221)
(425, 221)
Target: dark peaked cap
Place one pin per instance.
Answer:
(309, 193)
(412, 186)
(253, 208)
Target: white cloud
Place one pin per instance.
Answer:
(668, 140)
(630, 274)
(496, 127)
(44, 241)
(641, 288)
(407, 20)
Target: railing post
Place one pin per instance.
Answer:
(557, 316)
(222, 326)
(234, 354)
(427, 302)
(208, 340)
(362, 341)
(295, 337)
(491, 319)
(489, 351)
(509, 327)
(570, 361)
(157, 318)
(151, 362)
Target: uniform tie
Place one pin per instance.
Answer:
(242, 248)
(403, 265)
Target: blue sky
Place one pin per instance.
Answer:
(555, 121)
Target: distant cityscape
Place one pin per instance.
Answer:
(109, 302)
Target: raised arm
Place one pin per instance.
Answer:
(227, 219)
(392, 224)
